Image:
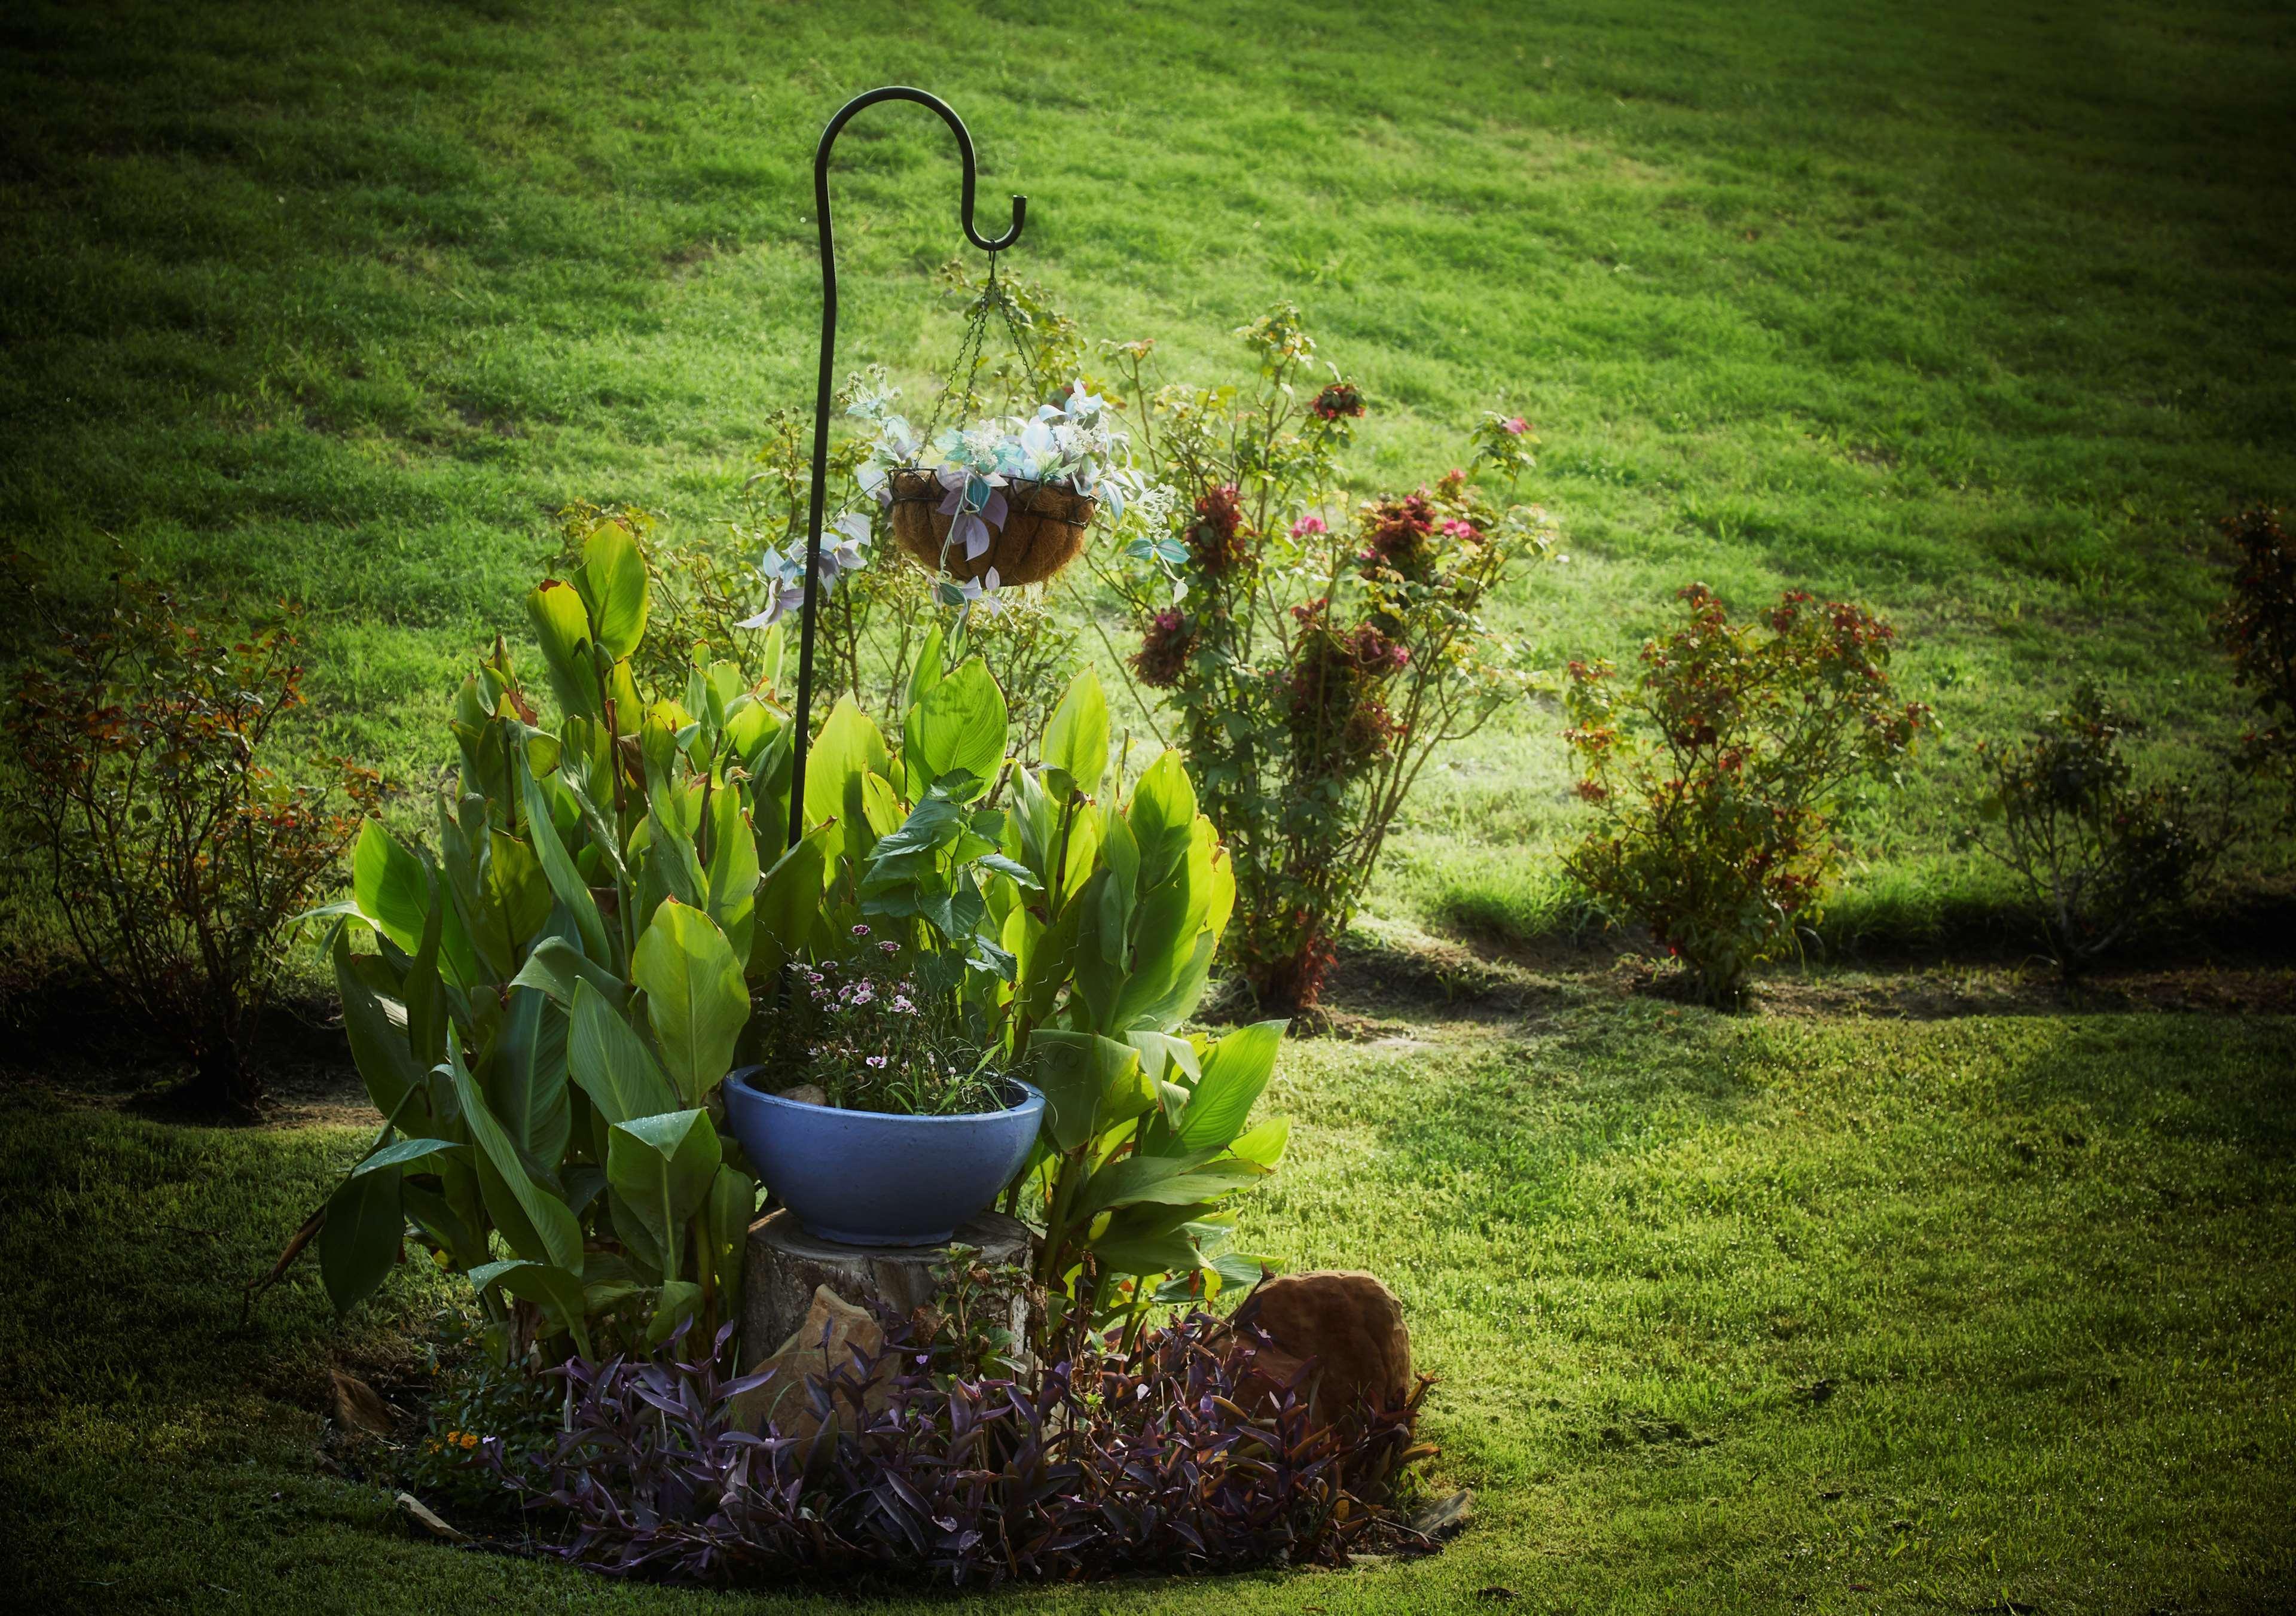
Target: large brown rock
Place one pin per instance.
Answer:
(823, 1343)
(1350, 1324)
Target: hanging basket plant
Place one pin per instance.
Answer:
(995, 501)
(1034, 527)
(985, 502)
(1002, 501)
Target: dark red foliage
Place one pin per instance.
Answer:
(1333, 710)
(1163, 654)
(1341, 400)
(1107, 1466)
(1398, 537)
(1218, 538)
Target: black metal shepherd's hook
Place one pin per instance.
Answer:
(828, 365)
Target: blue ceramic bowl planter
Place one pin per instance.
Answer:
(868, 1179)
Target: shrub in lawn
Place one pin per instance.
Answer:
(1716, 773)
(2258, 626)
(2098, 855)
(176, 859)
(1313, 659)
(1161, 1460)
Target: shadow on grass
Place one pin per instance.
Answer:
(1911, 922)
(62, 1033)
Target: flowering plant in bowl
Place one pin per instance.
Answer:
(876, 1038)
(911, 1124)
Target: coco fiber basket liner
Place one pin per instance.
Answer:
(1044, 530)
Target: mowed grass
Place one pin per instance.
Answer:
(1977, 314)
(1729, 1315)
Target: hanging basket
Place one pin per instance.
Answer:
(1044, 529)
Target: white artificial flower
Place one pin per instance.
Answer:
(973, 592)
(846, 556)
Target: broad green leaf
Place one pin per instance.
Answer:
(1160, 1051)
(726, 1217)
(464, 851)
(526, 1078)
(561, 627)
(1164, 938)
(1120, 851)
(960, 724)
(788, 903)
(441, 1216)
(1075, 739)
(1172, 1254)
(1236, 1069)
(1083, 833)
(1034, 825)
(629, 706)
(1089, 1082)
(518, 887)
(925, 672)
(1185, 992)
(611, 1062)
(750, 725)
(1097, 960)
(557, 1291)
(732, 872)
(1222, 901)
(671, 858)
(565, 880)
(681, 1298)
(1161, 817)
(662, 1169)
(406, 1152)
(1160, 1181)
(881, 808)
(847, 752)
(536, 1223)
(1263, 1142)
(608, 1277)
(389, 884)
(613, 584)
(1050, 963)
(556, 964)
(697, 998)
(379, 1046)
(359, 1241)
(932, 824)
(425, 994)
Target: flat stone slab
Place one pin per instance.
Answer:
(784, 1264)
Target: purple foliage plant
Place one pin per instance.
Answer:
(1175, 1457)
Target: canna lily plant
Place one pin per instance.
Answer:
(551, 1001)
(544, 1010)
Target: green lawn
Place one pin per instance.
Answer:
(1730, 1316)
(1976, 313)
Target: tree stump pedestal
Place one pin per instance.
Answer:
(785, 1265)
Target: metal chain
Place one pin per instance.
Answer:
(969, 356)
